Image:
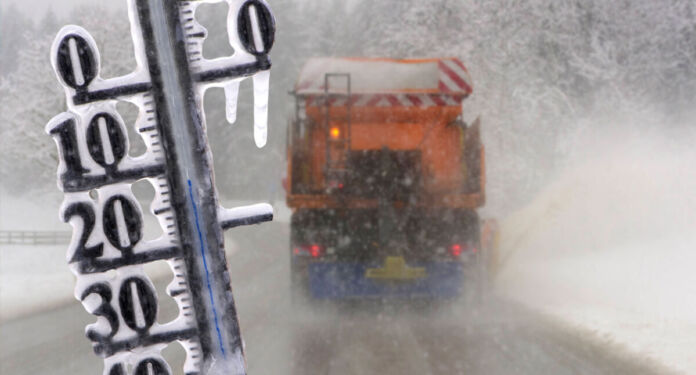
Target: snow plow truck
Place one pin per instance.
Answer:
(384, 179)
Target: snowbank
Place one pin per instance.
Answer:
(32, 277)
(610, 246)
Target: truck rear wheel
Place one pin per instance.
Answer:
(305, 229)
(299, 288)
(465, 228)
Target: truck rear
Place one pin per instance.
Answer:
(384, 179)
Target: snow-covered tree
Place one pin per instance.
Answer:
(15, 31)
(28, 99)
(31, 96)
(540, 69)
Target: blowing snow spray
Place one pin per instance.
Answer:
(107, 253)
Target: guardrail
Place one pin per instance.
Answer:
(34, 237)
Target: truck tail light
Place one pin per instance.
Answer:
(314, 250)
(457, 249)
(335, 184)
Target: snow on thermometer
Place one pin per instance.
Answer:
(96, 172)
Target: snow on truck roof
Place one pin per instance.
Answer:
(386, 76)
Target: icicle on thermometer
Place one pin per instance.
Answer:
(96, 173)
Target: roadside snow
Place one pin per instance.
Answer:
(32, 277)
(611, 246)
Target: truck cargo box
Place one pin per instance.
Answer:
(349, 111)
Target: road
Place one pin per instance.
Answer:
(496, 337)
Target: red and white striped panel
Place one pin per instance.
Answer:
(389, 100)
(454, 77)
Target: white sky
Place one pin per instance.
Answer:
(37, 8)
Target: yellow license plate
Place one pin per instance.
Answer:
(395, 268)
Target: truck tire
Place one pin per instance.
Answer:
(299, 288)
(475, 280)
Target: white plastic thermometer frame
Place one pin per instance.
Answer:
(107, 252)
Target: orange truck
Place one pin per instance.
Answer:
(384, 179)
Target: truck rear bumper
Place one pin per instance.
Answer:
(329, 280)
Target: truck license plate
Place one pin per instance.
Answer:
(395, 268)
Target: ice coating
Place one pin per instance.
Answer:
(228, 367)
(261, 88)
(251, 52)
(244, 215)
(231, 96)
(96, 172)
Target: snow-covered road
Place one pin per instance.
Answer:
(598, 265)
(609, 245)
(282, 338)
